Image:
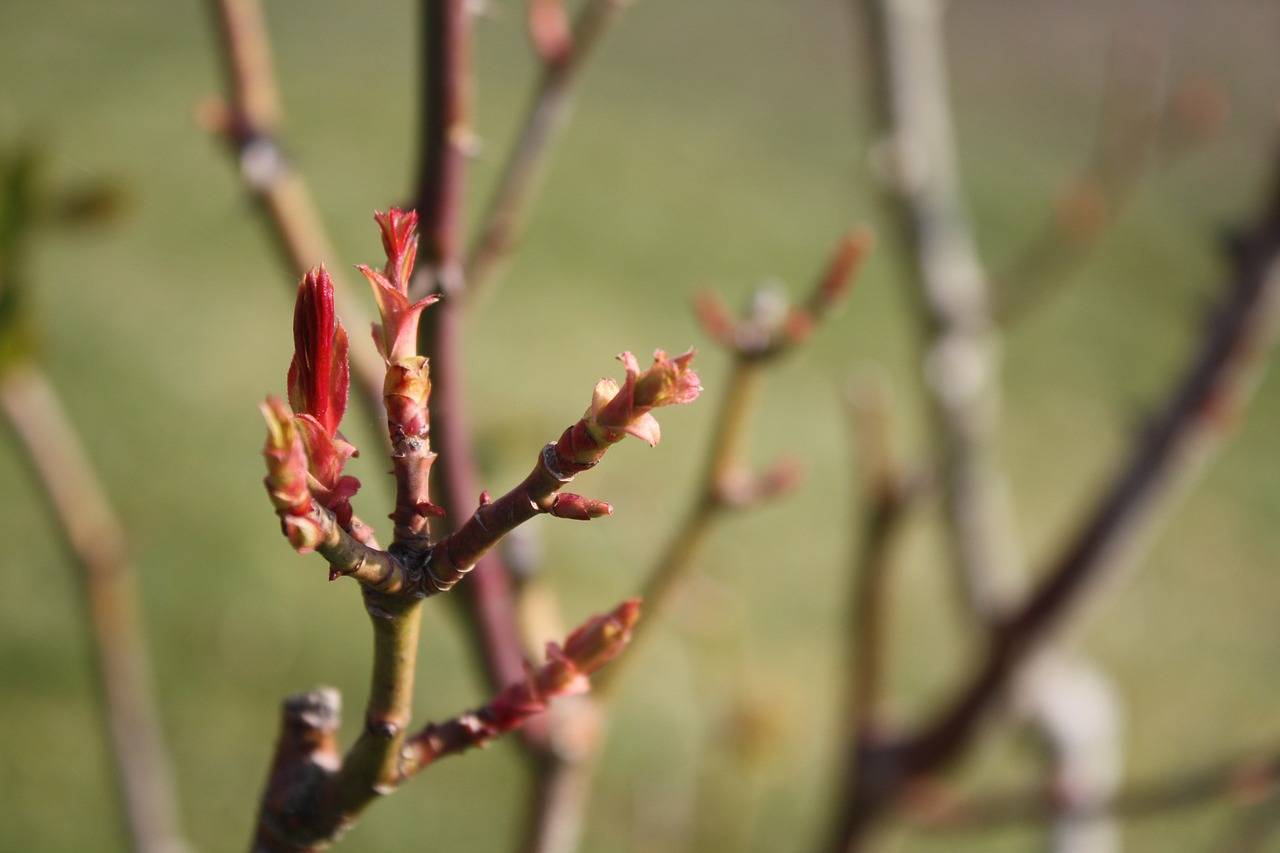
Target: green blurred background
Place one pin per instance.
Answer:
(717, 142)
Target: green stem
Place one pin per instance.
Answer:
(372, 767)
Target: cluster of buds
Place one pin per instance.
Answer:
(618, 411)
(305, 453)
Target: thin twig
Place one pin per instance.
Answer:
(313, 796)
(548, 112)
(769, 332)
(1128, 136)
(1245, 780)
(886, 495)
(97, 544)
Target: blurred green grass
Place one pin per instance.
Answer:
(716, 142)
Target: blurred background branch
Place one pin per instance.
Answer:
(91, 533)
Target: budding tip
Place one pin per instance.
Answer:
(628, 612)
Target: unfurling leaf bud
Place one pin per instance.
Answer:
(595, 643)
(319, 382)
(286, 479)
(397, 335)
(601, 639)
(668, 382)
(618, 411)
(319, 377)
(400, 243)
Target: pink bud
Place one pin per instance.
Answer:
(842, 269)
(714, 317)
(549, 28)
(578, 508)
(601, 638)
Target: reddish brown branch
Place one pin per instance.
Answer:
(439, 202)
(615, 412)
(446, 139)
(586, 650)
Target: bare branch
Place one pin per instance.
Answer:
(548, 113)
(886, 497)
(109, 584)
(1203, 408)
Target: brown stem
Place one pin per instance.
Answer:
(548, 112)
(458, 553)
(886, 496)
(564, 673)
(109, 585)
(411, 460)
(250, 124)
